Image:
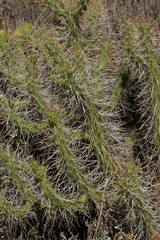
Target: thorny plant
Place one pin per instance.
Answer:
(57, 137)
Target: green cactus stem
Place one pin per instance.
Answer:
(13, 168)
(37, 95)
(70, 14)
(130, 186)
(153, 75)
(51, 194)
(97, 70)
(12, 78)
(62, 142)
(53, 4)
(80, 8)
(97, 138)
(9, 115)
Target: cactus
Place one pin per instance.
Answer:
(131, 189)
(13, 168)
(152, 72)
(71, 16)
(104, 56)
(130, 56)
(50, 192)
(148, 66)
(90, 28)
(9, 115)
(74, 171)
(36, 95)
(75, 163)
(62, 144)
(12, 78)
(97, 70)
(96, 135)
(53, 4)
(3, 39)
(139, 63)
(80, 8)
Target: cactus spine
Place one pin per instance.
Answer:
(62, 144)
(152, 72)
(72, 162)
(13, 168)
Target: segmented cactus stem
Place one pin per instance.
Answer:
(51, 194)
(96, 135)
(9, 115)
(13, 168)
(130, 185)
(53, 4)
(152, 72)
(62, 144)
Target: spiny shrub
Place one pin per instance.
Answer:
(151, 60)
(136, 95)
(139, 76)
(58, 150)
